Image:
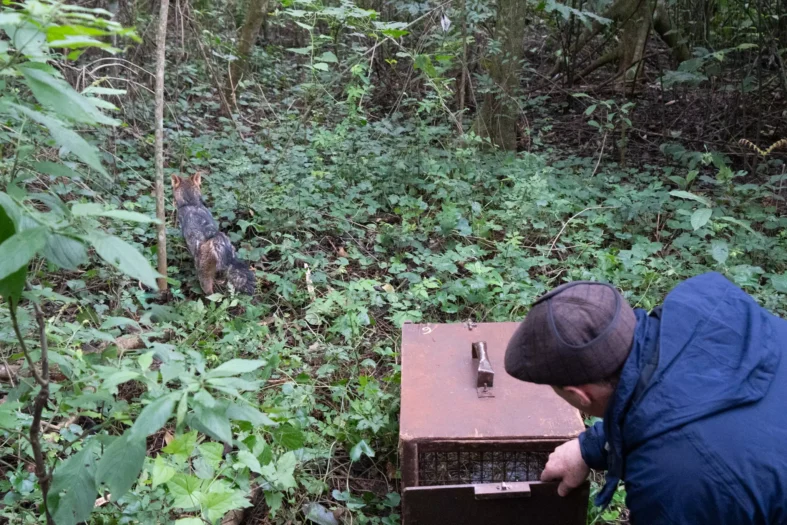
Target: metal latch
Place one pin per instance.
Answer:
(485, 378)
(503, 490)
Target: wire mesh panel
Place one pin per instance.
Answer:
(465, 467)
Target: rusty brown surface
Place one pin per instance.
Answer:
(440, 400)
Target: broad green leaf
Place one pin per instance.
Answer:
(183, 406)
(266, 456)
(131, 216)
(362, 447)
(65, 252)
(185, 489)
(98, 90)
(59, 96)
(66, 138)
(56, 206)
(202, 469)
(321, 66)
(779, 282)
(103, 104)
(161, 472)
(700, 218)
(212, 421)
(145, 360)
(18, 249)
(82, 209)
(720, 251)
(740, 223)
(301, 50)
(153, 417)
(285, 468)
(73, 490)
(234, 383)
(121, 464)
(235, 367)
(28, 39)
(55, 169)
(690, 196)
(212, 452)
(120, 377)
(79, 42)
(289, 437)
(182, 446)
(189, 521)
(244, 412)
(329, 57)
(11, 285)
(55, 32)
(395, 33)
(248, 460)
(119, 322)
(204, 398)
(10, 18)
(273, 500)
(125, 258)
(171, 370)
(12, 210)
(216, 504)
(10, 415)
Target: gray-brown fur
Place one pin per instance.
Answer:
(211, 249)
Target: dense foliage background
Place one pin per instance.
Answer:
(375, 162)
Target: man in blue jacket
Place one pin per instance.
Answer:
(693, 396)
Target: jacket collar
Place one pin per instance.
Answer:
(634, 378)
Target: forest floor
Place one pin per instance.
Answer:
(357, 226)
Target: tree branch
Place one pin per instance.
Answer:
(40, 402)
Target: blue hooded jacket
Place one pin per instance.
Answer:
(697, 427)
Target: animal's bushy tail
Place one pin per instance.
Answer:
(241, 277)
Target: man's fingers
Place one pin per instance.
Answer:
(550, 473)
(563, 489)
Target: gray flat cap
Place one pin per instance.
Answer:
(578, 333)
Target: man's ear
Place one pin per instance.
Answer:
(175, 181)
(197, 179)
(579, 395)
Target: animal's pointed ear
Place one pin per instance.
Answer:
(197, 179)
(175, 181)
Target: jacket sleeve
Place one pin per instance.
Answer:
(592, 444)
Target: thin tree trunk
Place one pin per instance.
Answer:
(672, 37)
(463, 76)
(161, 40)
(41, 400)
(497, 118)
(633, 40)
(248, 34)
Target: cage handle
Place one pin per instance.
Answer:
(486, 376)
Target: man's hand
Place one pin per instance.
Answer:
(567, 466)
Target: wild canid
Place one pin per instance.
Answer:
(211, 249)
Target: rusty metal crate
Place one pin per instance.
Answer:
(474, 440)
